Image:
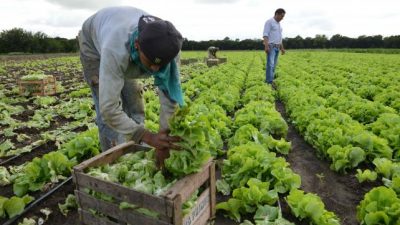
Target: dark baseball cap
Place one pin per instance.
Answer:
(158, 39)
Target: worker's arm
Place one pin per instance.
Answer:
(266, 46)
(266, 32)
(283, 51)
(111, 82)
(167, 108)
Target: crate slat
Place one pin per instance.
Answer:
(89, 219)
(200, 211)
(123, 193)
(178, 210)
(187, 185)
(113, 210)
(213, 190)
(110, 155)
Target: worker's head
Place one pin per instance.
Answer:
(279, 14)
(158, 43)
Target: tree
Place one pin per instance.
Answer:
(391, 42)
(15, 40)
(320, 41)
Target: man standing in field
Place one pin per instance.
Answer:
(117, 46)
(272, 36)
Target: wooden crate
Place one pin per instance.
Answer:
(212, 62)
(169, 205)
(222, 60)
(46, 86)
(189, 61)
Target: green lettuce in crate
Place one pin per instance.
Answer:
(137, 171)
(35, 77)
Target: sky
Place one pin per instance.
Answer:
(212, 19)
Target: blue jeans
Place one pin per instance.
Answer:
(131, 98)
(272, 61)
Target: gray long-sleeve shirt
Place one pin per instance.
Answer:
(106, 36)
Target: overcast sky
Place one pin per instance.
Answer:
(213, 19)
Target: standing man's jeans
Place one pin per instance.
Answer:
(131, 98)
(272, 61)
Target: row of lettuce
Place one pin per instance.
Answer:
(21, 112)
(326, 102)
(67, 71)
(76, 111)
(258, 132)
(42, 173)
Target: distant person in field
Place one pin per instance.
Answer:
(212, 52)
(117, 46)
(272, 36)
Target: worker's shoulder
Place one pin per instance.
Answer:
(270, 20)
(122, 9)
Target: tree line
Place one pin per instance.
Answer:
(317, 42)
(18, 40)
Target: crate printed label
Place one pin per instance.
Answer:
(196, 211)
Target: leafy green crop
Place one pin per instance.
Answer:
(263, 116)
(57, 165)
(366, 175)
(10, 207)
(247, 199)
(309, 206)
(198, 138)
(268, 215)
(4, 176)
(248, 133)
(379, 206)
(45, 101)
(254, 161)
(70, 203)
(52, 167)
(345, 157)
(388, 126)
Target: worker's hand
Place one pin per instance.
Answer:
(161, 155)
(283, 51)
(162, 142)
(266, 49)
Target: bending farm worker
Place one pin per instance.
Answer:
(117, 46)
(212, 52)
